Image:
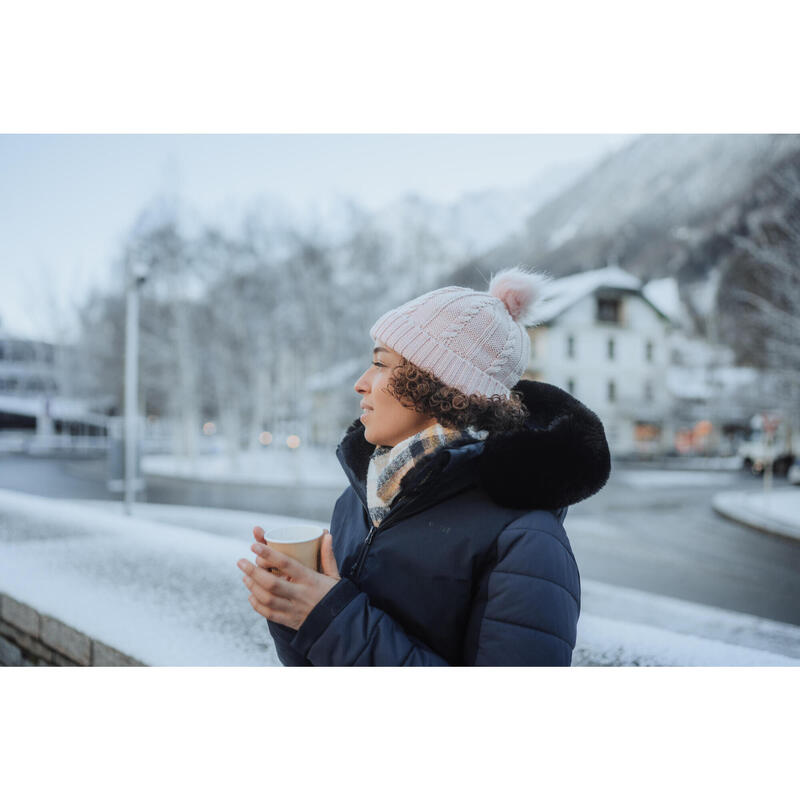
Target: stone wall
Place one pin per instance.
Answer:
(28, 638)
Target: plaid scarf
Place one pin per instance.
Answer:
(389, 465)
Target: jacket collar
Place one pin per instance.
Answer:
(558, 458)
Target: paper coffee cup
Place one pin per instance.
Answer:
(301, 542)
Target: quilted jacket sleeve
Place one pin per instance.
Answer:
(344, 629)
(527, 606)
(282, 638)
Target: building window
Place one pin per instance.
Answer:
(648, 351)
(648, 391)
(608, 309)
(612, 392)
(570, 347)
(571, 385)
(610, 349)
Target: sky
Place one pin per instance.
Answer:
(68, 201)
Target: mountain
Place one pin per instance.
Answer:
(479, 220)
(643, 206)
(677, 212)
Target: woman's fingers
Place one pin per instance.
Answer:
(259, 534)
(266, 580)
(265, 565)
(285, 564)
(269, 613)
(266, 599)
(327, 558)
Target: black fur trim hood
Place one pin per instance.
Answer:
(558, 459)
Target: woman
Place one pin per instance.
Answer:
(448, 546)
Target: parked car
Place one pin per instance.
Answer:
(758, 449)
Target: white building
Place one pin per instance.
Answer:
(603, 341)
(31, 397)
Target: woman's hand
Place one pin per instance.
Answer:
(287, 599)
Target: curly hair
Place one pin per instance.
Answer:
(416, 388)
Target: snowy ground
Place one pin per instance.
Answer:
(777, 510)
(626, 626)
(172, 595)
(660, 479)
(271, 467)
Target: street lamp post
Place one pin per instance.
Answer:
(136, 277)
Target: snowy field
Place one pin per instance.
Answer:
(164, 588)
(160, 593)
(269, 467)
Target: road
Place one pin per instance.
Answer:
(656, 531)
(652, 530)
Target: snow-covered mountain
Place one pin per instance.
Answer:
(479, 220)
(643, 204)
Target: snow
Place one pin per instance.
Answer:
(170, 594)
(274, 465)
(476, 221)
(701, 370)
(663, 294)
(713, 636)
(163, 594)
(664, 479)
(607, 642)
(563, 234)
(777, 510)
(562, 293)
(219, 521)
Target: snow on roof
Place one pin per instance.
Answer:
(562, 293)
(663, 294)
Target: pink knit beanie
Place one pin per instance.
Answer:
(473, 341)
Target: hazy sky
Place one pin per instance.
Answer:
(67, 202)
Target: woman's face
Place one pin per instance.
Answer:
(386, 421)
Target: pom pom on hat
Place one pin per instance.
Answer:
(520, 292)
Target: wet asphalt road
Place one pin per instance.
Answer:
(649, 530)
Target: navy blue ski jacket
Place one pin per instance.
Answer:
(472, 565)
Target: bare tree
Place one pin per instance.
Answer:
(767, 291)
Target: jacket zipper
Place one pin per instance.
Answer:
(362, 557)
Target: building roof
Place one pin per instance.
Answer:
(663, 293)
(561, 294)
